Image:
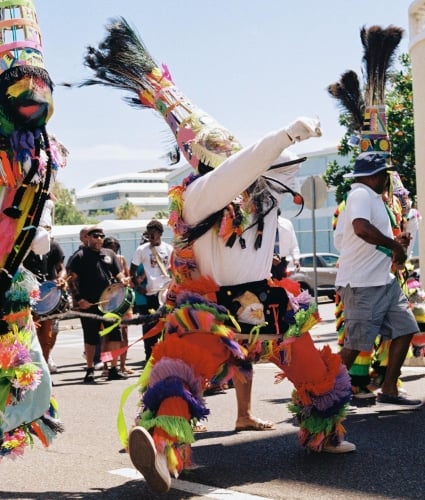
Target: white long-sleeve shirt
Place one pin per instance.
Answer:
(215, 190)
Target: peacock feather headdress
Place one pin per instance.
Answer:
(365, 107)
(122, 61)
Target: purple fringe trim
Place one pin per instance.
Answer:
(174, 387)
(331, 402)
(168, 367)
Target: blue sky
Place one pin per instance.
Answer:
(254, 65)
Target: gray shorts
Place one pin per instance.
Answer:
(372, 311)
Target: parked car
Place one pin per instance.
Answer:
(326, 267)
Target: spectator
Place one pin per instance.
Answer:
(140, 300)
(412, 216)
(155, 256)
(288, 243)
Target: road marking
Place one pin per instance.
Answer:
(195, 488)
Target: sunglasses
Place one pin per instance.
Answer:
(97, 235)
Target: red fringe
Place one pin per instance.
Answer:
(39, 433)
(174, 406)
(203, 351)
(312, 371)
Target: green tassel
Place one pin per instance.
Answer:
(177, 427)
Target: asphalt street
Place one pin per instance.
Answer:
(87, 460)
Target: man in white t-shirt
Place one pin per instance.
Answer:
(374, 303)
(155, 256)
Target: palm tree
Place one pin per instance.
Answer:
(126, 211)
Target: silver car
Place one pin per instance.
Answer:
(326, 268)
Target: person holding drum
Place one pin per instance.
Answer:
(83, 240)
(155, 255)
(50, 272)
(114, 245)
(92, 271)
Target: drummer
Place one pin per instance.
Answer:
(92, 269)
(47, 267)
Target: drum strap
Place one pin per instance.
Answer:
(159, 260)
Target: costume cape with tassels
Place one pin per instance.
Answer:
(28, 157)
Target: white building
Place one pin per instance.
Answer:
(145, 190)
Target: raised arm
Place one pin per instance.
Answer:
(217, 188)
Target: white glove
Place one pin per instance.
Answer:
(303, 128)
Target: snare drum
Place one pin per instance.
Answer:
(117, 299)
(53, 299)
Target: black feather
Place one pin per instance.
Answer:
(348, 94)
(121, 60)
(379, 47)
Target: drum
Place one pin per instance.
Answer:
(117, 299)
(53, 299)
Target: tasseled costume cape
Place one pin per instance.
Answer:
(27, 159)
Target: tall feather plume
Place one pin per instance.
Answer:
(379, 47)
(348, 94)
(121, 61)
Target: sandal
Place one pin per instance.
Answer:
(256, 424)
(199, 428)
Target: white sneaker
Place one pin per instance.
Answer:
(342, 447)
(98, 366)
(151, 464)
(52, 365)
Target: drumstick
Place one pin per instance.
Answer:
(100, 302)
(47, 294)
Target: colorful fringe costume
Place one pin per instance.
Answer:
(223, 248)
(27, 160)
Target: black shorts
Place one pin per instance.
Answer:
(92, 327)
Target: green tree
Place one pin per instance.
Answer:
(126, 211)
(399, 101)
(162, 214)
(65, 210)
(401, 125)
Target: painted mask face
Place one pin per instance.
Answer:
(29, 102)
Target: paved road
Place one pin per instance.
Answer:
(87, 462)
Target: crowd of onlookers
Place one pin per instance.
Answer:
(96, 279)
